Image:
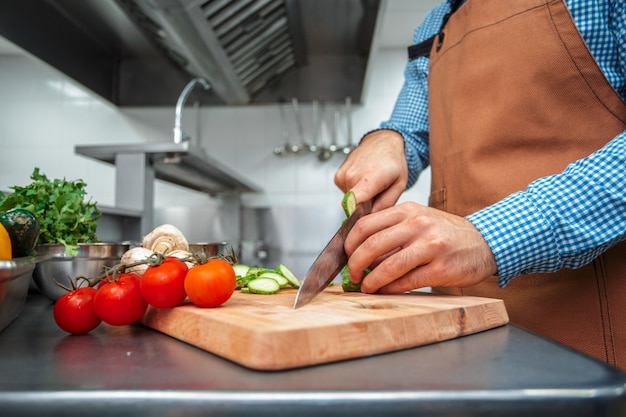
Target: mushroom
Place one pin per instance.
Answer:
(183, 255)
(165, 239)
(136, 254)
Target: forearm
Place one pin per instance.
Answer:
(560, 221)
(410, 114)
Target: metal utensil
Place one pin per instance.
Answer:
(333, 147)
(350, 144)
(330, 262)
(313, 146)
(324, 153)
(285, 148)
(302, 145)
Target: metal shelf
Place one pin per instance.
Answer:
(177, 163)
(138, 165)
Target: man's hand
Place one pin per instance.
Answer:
(375, 169)
(411, 246)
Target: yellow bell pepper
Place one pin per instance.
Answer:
(5, 244)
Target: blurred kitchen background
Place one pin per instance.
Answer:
(335, 77)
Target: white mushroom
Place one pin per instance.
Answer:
(183, 254)
(165, 239)
(137, 254)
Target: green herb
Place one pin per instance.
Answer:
(60, 207)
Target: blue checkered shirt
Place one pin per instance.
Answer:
(560, 221)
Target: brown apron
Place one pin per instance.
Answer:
(515, 95)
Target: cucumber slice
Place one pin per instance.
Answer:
(291, 277)
(348, 203)
(241, 270)
(257, 270)
(263, 286)
(242, 282)
(282, 281)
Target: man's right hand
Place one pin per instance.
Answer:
(376, 169)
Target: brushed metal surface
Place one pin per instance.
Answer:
(501, 372)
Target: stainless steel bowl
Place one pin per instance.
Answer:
(210, 250)
(90, 262)
(15, 277)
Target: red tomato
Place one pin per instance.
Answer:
(210, 284)
(74, 311)
(163, 285)
(119, 302)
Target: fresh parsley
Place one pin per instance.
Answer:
(65, 216)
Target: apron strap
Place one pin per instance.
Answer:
(423, 48)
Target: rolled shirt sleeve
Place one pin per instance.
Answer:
(560, 221)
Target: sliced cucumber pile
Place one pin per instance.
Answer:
(264, 280)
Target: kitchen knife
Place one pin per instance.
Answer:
(330, 262)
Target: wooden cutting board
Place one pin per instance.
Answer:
(264, 332)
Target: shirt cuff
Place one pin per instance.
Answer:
(520, 237)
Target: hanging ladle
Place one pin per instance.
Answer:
(324, 153)
(334, 147)
(350, 144)
(313, 147)
(296, 114)
(285, 148)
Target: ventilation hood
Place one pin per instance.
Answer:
(143, 52)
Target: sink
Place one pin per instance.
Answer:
(177, 163)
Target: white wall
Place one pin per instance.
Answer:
(43, 115)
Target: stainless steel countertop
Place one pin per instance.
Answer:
(134, 370)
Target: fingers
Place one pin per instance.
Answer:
(386, 242)
(389, 197)
(411, 246)
(375, 170)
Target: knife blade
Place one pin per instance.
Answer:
(330, 262)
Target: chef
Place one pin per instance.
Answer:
(518, 108)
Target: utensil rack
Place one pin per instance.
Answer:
(327, 120)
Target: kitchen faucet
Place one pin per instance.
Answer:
(179, 135)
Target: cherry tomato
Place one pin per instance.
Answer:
(163, 285)
(74, 311)
(104, 280)
(118, 301)
(210, 284)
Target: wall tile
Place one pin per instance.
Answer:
(43, 115)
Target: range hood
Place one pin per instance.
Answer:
(143, 52)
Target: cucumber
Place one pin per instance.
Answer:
(263, 286)
(291, 277)
(241, 270)
(348, 203)
(282, 281)
(346, 284)
(242, 282)
(256, 271)
(282, 276)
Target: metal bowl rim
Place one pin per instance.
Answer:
(100, 250)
